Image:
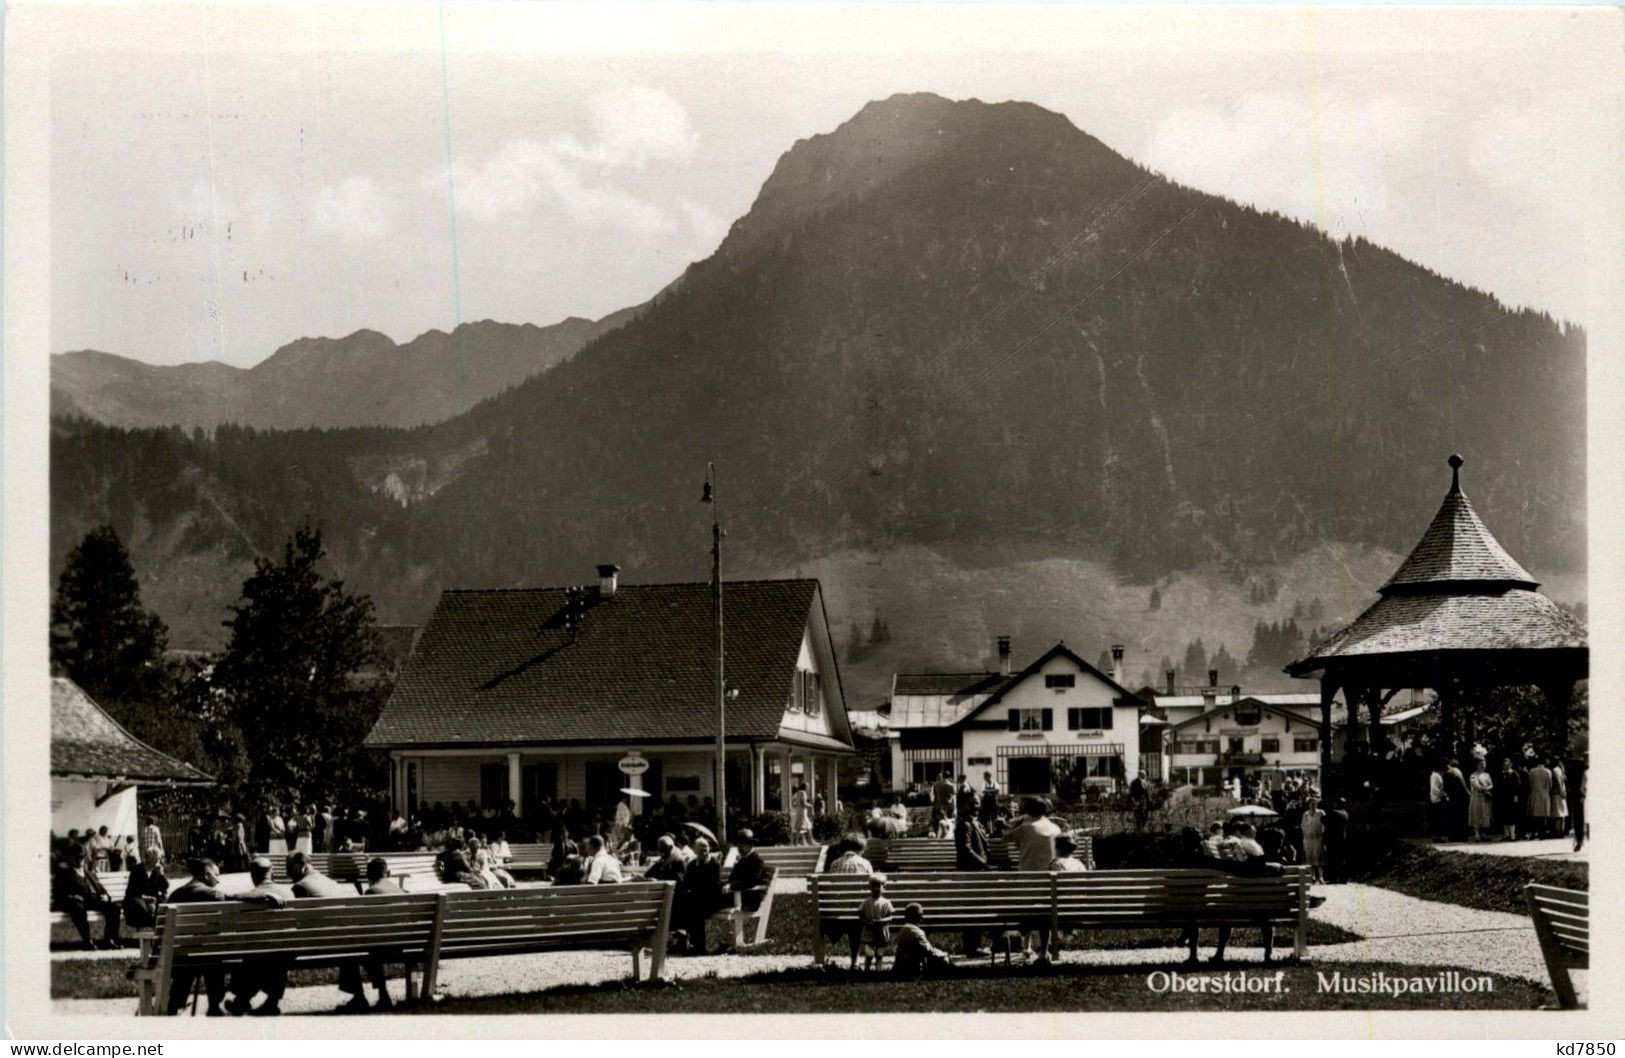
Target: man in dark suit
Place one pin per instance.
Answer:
(699, 894)
(750, 871)
(76, 891)
(202, 888)
(148, 889)
(970, 854)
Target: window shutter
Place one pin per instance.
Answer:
(1047, 719)
(1074, 718)
(1015, 719)
(1106, 717)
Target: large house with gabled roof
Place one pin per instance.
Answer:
(1059, 718)
(527, 695)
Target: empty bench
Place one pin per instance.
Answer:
(1562, 920)
(529, 858)
(418, 930)
(994, 901)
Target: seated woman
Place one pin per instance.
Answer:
(571, 871)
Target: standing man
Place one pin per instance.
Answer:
(1336, 838)
(1539, 806)
(942, 795)
(970, 854)
(1140, 800)
(990, 801)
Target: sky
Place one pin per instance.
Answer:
(224, 181)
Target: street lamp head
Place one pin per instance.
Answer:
(707, 496)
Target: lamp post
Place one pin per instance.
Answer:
(710, 496)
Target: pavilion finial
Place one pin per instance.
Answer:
(1455, 472)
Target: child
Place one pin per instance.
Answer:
(916, 956)
(874, 917)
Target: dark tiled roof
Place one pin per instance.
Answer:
(955, 684)
(1457, 547)
(500, 666)
(86, 741)
(1514, 619)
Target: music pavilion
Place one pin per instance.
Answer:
(526, 694)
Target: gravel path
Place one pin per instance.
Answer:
(1394, 927)
(1547, 849)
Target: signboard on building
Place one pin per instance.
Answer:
(633, 764)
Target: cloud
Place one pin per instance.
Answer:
(356, 209)
(633, 128)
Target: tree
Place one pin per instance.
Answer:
(288, 676)
(1195, 666)
(101, 636)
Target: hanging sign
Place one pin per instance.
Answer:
(633, 764)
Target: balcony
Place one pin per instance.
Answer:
(1240, 758)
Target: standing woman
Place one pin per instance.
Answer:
(1560, 798)
(1314, 838)
(1508, 796)
(1480, 809)
(798, 816)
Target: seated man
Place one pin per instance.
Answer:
(750, 872)
(699, 895)
(260, 975)
(669, 866)
(379, 883)
(310, 883)
(202, 888)
(147, 890)
(77, 892)
(601, 867)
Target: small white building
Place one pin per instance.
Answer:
(97, 767)
(1059, 721)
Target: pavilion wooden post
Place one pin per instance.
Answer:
(1374, 702)
(1559, 694)
(1447, 722)
(1328, 691)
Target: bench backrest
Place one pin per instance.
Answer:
(352, 866)
(1562, 919)
(317, 931)
(530, 856)
(937, 854)
(116, 883)
(320, 861)
(960, 899)
(503, 921)
(791, 861)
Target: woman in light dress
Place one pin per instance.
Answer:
(1560, 797)
(307, 831)
(1314, 838)
(1481, 801)
(800, 826)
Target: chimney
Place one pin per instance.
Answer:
(606, 580)
(1117, 663)
(1213, 678)
(1170, 676)
(1004, 655)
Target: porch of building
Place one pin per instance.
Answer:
(760, 776)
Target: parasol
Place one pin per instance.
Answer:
(632, 791)
(702, 831)
(1251, 810)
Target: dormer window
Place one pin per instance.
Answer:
(1249, 716)
(1060, 681)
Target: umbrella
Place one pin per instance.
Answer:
(632, 791)
(1251, 810)
(703, 831)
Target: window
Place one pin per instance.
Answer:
(927, 771)
(1237, 745)
(1032, 719)
(806, 695)
(1060, 680)
(1089, 719)
(1249, 716)
(1201, 745)
(1305, 745)
(1269, 745)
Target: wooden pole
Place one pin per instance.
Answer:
(1328, 691)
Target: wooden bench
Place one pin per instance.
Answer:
(352, 867)
(994, 901)
(1562, 920)
(738, 915)
(414, 929)
(117, 883)
(937, 854)
(793, 861)
(529, 858)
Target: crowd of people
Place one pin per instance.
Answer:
(1530, 796)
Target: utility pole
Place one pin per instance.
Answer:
(710, 496)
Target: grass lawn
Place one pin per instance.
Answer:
(1067, 988)
(1489, 883)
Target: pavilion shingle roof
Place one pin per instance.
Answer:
(1458, 591)
(501, 666)
(1457, 548)
(85, 741)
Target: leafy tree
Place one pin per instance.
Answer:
(101, 636)
(288, 677)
